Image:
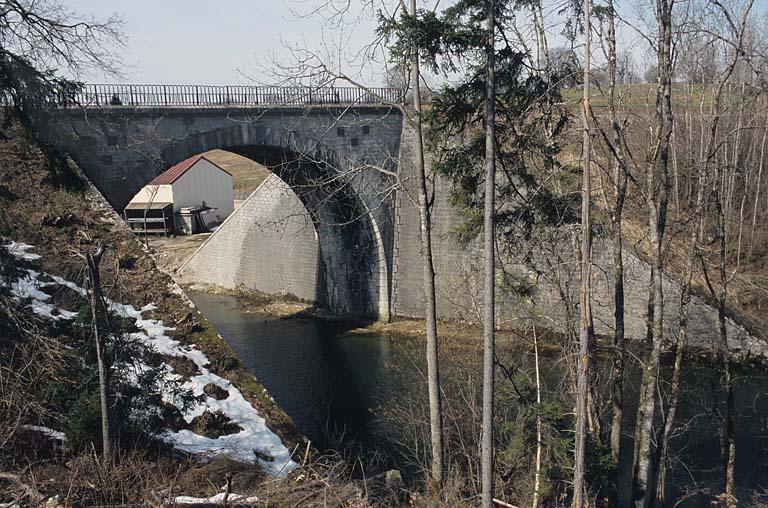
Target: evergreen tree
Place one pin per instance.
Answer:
(44, 46)
(498, 115)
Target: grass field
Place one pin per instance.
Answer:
(644, 95)
(246, 174)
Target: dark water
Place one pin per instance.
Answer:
(328, 382)
(332, 385)
(695, 445)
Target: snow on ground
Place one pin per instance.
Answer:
(53, 434)
(19, 250)
(254, 437)
(27, 287)
(216, 499)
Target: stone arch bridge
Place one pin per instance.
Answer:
(337, 150)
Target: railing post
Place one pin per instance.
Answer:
(165, 95)
(130, 91)
(197, 96)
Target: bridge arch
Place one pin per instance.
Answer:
(352, 274)
(120, 148)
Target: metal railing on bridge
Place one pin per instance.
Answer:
(106, 95)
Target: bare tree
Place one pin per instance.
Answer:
(618, 174)
(98, 318)
(399, 39)
(50, 36)
(585, 328)
(39, 39)
(539, 438)
(425, 229)
(657, 183)
(735, 38)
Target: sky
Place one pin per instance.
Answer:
(234, 41)
(207, 42)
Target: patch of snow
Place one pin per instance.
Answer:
(53, 434)
(28, 287)
(19, 250)
(251, 444)
(216, 499)
(254, 437)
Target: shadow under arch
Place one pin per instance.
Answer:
(352, 276)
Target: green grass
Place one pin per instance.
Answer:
(644, 94)
(246, 174)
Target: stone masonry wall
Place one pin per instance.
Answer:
(269, 244)
(553, 271)
(379, 260)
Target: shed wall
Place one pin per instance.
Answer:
(205, 182)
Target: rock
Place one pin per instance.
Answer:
(61, 221)
(182, 366)
(214, 425)
(215, 391)
(172, 417)
(52, 502)
(393, 479)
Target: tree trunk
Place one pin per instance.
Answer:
(680, 345)
(710, 152)
(96, 301)
(489, 289)
(582, 367)
(425, 224)
(728, 427)
(542, 47)
(657, 188)
(620, 181)
(757, 195)
(617, 387)
(711, 155)
(539, 442)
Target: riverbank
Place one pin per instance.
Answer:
(290, 307)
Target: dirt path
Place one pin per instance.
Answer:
(171, 252)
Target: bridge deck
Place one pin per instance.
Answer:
(214, 96)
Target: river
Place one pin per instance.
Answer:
(334, 384)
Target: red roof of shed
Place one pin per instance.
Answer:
(173, 173)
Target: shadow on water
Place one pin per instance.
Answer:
(697, 473)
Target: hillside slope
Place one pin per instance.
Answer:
(175, 382)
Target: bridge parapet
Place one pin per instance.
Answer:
(240, 96)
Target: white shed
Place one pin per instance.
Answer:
(192, 182)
